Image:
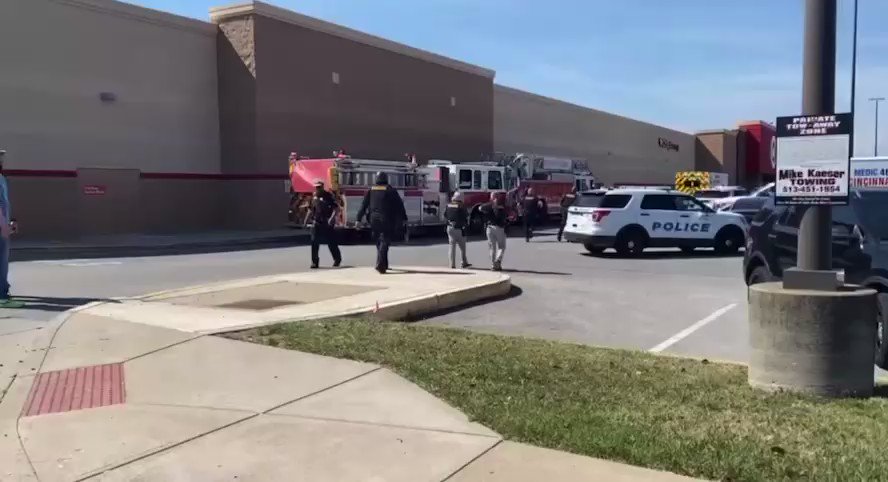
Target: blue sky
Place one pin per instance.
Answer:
(684, 64)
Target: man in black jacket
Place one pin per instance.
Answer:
(385, 210)
(457, 217)
(566, 202)
(324, 210)
(533, 207)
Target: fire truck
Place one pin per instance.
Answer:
(550, 177)
(425, 190)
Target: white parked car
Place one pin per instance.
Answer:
(726, 203)
(709, 196)
(630, 220)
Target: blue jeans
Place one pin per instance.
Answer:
(4, 267)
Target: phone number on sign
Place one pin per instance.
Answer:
(809, 189)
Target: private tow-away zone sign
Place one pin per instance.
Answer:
(813, 159)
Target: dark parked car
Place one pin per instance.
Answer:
(860, 248)
(748, 206)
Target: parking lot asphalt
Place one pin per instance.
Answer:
(691, 305)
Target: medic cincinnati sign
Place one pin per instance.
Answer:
(813, 161)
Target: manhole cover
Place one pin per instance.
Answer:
(258, 305)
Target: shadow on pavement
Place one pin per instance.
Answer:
(45, 254)
(46, 303)
(514, 292)
(700, 254)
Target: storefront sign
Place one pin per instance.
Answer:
(93, 190)
(813, 162)
(667, 144)
(870, 174)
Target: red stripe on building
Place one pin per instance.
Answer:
(413, 193)
(214, 176)
(38, 173)
(76, 389)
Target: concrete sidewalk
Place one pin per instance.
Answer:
(114, 392)
(119, 401)
(403, 293)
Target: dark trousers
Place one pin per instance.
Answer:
(563, 224)
(529, 222)
(324, 233)
(382, 234)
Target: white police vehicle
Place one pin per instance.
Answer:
(630, 220)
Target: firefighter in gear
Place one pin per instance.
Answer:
(457, 217)
(324, 210)
(385, 211)
(566, 202)
(533, 207)
(496, 218)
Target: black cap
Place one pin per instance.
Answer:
(382, 178)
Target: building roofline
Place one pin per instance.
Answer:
(219, 14)
(552, 100)
(135, 12)
(713, 131)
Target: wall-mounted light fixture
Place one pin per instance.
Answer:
(452, 101)
(336, 78)
(107, 97)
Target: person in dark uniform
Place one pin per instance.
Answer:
(566, 202)
(495, 219)
(533, 207)
(385, 211)
(457, 217)
(324, 210)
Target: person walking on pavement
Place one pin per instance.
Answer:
(324, 209)
(7, 229)
(496, 218)
(566, 202)
(385, 210)
(457, 217)
(533, 206)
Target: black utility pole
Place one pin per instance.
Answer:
(818, 97)
(853, 79)
(876, 130)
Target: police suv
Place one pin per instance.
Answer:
(630, 220)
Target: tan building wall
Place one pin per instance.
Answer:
(59, 56)
(310, 86)
(160, 114)
(617, 149)
(716, 151)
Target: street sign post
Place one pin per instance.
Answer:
(813, 159)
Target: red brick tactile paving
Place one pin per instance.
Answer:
(76, 389)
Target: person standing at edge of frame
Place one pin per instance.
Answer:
(566, 202)
(384, 209)
(8, 227)
(457, 217)
(324, 209)
(495, 219)
(533, 206)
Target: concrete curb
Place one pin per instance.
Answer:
(397, 311)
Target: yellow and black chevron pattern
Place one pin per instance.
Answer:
(690, 182)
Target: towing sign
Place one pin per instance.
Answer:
(813, 159)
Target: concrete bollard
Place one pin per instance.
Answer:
(815, 342)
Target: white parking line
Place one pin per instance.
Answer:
(79, 263)
(696, 326)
